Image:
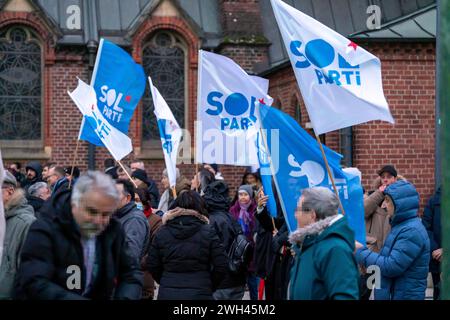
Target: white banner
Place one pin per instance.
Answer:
(169, 131)
(340, 82)
(227, 122)
(117, 143)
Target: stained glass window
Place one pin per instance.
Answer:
(164, 61)
(20, 85)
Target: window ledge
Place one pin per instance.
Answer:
(24, 153)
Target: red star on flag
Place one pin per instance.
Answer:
(261, 101)
(128, 98)
(353, 45)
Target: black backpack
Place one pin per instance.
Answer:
(240, 251)
(239, 254)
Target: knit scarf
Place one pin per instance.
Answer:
(244, 217)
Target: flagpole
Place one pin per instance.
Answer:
(126, 172)
(329, 173)
(199, 99)
(73, 163)
(174, 192)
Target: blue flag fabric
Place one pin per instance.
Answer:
(266, 176)
(119, 83)
(298, 164)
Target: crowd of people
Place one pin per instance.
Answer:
(112, 235)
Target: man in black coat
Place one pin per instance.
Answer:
(57, 180)
(33, 174)
(77, 251)
(38, 193)
(431, 219)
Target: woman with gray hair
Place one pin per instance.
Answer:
(165, 197)
(324, 267)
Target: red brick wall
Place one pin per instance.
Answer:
(408, 78)
(240, 17)
(408, 72)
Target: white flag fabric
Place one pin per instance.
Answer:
(340, 82)
(169, 131)
(2, 212)
(227, 123)
(117, 143)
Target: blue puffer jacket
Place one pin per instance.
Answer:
(404, 258)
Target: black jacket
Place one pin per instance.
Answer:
(431, 219)
(137, 229)
(36, 203)
(53, 245)
(154, 192)
(61, 185)
(186, 257)
(218, 205)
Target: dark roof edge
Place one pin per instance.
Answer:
(396, 21)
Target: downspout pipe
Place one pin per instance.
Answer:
(91, 35)
(346, 139)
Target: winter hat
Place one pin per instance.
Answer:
(76, 171)
(141, 175)
(247, 188)
(215, 167)
(389, 169)
(10, 179)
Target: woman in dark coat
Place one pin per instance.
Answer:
(186, 257)
(243, 211)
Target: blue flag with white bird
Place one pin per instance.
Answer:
(297, 163)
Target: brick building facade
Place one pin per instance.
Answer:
(239, 31)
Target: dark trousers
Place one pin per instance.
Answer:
(436, 276)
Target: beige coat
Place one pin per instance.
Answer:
(377, 221)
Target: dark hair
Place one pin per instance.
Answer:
(76, 171)
(109, 162)
(190, 199)
(50, 165)
(59, 171)
(128, 187)
(145, 197)
(206, 177)
(18, 165)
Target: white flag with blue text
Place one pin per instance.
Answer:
(118, 143)
(227, 123)
(169, 131)
(340, 82)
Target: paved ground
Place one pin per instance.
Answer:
(428, 293)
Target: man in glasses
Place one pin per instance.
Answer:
(78, 251)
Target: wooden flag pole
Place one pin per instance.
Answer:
(329, 173)
(73, 163)
(196, 176)
(174, 192)
(126, 172)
